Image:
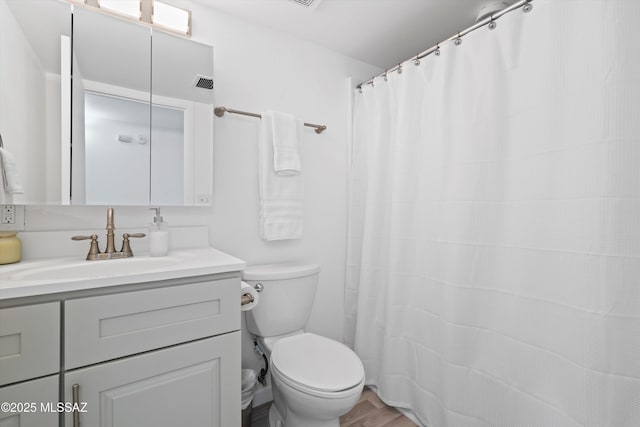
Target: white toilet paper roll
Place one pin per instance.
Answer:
(246, 288)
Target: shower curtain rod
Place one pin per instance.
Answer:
(219, 111)
(491, 18)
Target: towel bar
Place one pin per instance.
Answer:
(219, 111)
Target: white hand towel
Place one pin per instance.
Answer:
(281, 196)
(286, 156)
(10, 180)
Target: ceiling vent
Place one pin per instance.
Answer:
(203, 82)
(311, 4)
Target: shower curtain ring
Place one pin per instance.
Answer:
(492, 24)
(417, 60)
(527, 7)
(458, 40)
(437, 51)
(400, 68)
(384, 76)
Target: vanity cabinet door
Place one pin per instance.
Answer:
(195, 384)
(29, 342)
(32, 403)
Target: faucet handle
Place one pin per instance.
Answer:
(137, 235)
(126, 247)
(92, 237)
(93, 249)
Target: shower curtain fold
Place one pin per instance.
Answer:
(493, 270)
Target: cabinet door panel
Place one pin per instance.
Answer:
(43, 393)
(191, 393)
(29, 342)
(195, 384)
(110, 326)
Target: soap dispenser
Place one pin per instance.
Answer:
(158, 235)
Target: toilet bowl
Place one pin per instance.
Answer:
(315, 379)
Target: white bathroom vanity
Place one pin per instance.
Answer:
(132, 342)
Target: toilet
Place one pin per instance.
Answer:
(314, 379)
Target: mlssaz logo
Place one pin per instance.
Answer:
(63, 407)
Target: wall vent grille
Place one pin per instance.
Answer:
(203, 82)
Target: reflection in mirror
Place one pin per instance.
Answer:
(111, 93)
(183, 83)
(123, 152)
(65, 133)
(117, 140)
(34, 95)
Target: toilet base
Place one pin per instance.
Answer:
(276, 420)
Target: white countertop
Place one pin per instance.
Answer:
(55, 275)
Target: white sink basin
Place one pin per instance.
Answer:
(56, 275)
(91, 269)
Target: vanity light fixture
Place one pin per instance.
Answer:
(153, 12)
(129, 8)
(171, 18)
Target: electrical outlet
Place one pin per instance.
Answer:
(8, 214)
(12, 218)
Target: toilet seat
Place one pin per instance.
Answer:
(330, 395)
(317, 365)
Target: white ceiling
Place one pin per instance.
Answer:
(378, 32)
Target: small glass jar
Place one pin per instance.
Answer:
(10, 247)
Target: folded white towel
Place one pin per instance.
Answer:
(281, 220)
(281, 196)
(286, 156)
(10, 180)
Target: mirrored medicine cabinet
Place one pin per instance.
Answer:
(99, 110)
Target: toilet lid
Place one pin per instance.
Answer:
(317, 362)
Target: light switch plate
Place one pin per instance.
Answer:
(12, 218)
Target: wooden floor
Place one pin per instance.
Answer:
(260, 415)
(370, 411)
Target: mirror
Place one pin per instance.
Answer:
(111, 122)
(182, 96)
(125, 130)
(34, 111)
(124, 152)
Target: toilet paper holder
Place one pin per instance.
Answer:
(246, 299)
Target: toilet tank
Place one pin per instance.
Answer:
(286, 299)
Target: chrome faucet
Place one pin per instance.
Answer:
(110, 252)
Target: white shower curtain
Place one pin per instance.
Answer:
(493, 273)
